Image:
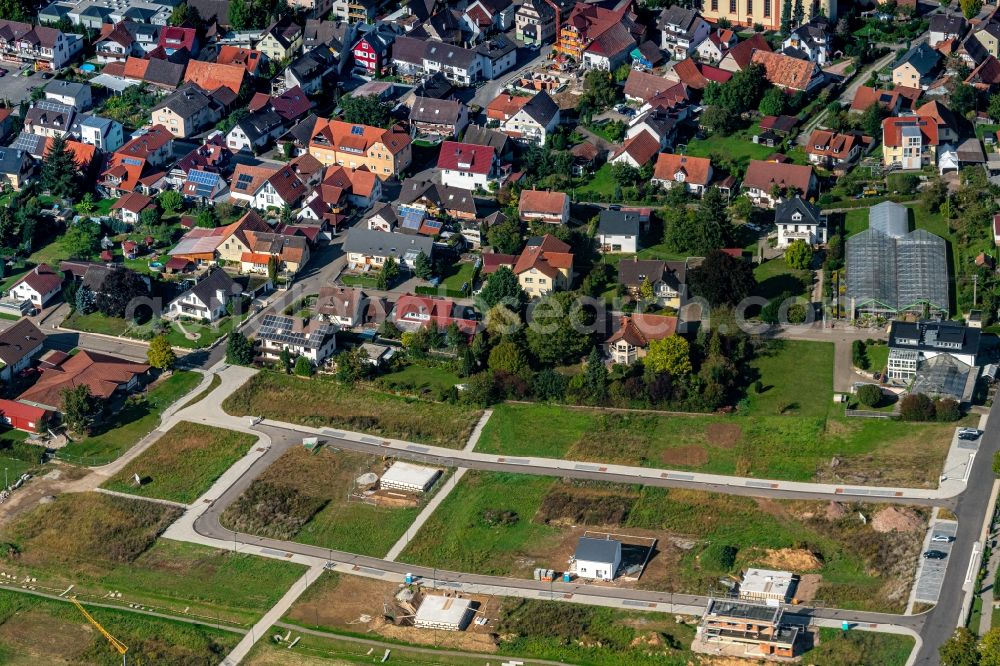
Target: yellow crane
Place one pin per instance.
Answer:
(115, 643)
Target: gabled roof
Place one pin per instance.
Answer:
(893, 128)
(505, 106)
(466, 157)
(832, 144)
(642, 147)
(483, 136)
(548, 255)
(249, 59)
(789, 207)
(785, 71)
(763, 175)
(643, 85)
(939, 113)
(41, 278)
(443, 111)
(186, 101)
(540, 201)
(541, 108)
(742, 53)
(696, 170)
(19, 340)
(865, 96)
(987, 74)
(356, 138)
(640, 329)
(211, 75)
(147, 143)
(922, 57)
(247, 179)
(134, 202)
(103, 374)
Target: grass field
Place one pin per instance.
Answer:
(101, 543)
(420, 378)
(134, 421)
(859, 647)
(789, 433)
(774, 278)
(738, 147)
(183, 463)
(458, 275)
(320, 403)
(95, 322)
(702, 536)
(303, 497)
(34, 630)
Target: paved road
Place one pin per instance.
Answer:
(972, 509)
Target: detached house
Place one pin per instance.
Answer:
(39, 285)
(19, 345)
(187, 111)
(544, 265)
(666, 277)
(630, 341)
(208, 299)
(534, 121)
(909, 142)
(692, 173)
(384, 152)
(436, 119)
(282, 40)
(832, 149)
(467, 166)
(714, 47)
(618, 232)
(637, 150)
(917, 67)
(681, 31)
(809, 42)
(366, 248)
(539, 206)
(313, 339)
(797, 219)
(788, 73)
(371, 52)
(769, 183)
(485, 17)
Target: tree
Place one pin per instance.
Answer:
(84, 301)
(798, 255)
(713, 229)
(798, 14)
(961, 649)
(994, 108)
(13, 10)
(502, 287)
(596, 375)
(722, 279)
(989, 648)
(83, 239)
(79, 408)
(719, 119)
(180, 15)
(671, 355)
(505, 237)
(556, 332)
(87, 205)
(869, 395)
(916, 407)
(285, 360)
(272, 268)
(871, 119)
(646, 292)
(963, 99)
(149, 217)
(786, 17)
(170, 201)
(422, 266)
(389, 272)
(239, 14)
(207, 218)
(508, 357)
(773, 103)
(365, 110)
(60, 170)
(599, 89)
(934, 194)
(160, 354)
(971, 8)
(304, 367)
(624, 174)
(947, 410)
(239, 349)
(118, 290)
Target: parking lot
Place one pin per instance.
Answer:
(14, 87)
(930, 573)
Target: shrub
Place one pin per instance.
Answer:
(916, 407)
(500, 518)
(947, 410)
(869, 395)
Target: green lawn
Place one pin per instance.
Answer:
(34, 630)
(101, 543)
(855, 221)
(788, 433)
(419, 377)
(660, 251)
(325, 403)
(183, 463)
(774, 278)
(96, 322)
(837, 648)
(207, 333)
(133, 422)
(484, 527)
(601, 182)
(359, 281)
(459, 275)
(983, 130)
(878, 357)
(738, 148)
(51, 254)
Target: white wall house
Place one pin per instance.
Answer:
(316, 340)
(597, 559)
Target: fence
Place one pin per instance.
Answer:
(864, 414)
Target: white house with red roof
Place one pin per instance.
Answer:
(544, 265)
(543, 206)
(130, 207)
(40, 285)
(630, 341)
(467, 166)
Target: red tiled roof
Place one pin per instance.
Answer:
(892, 130)
(491, 262)
(743, 52)
(547, 257)
(696, 170)
(785, 71)
(639, 329)
(540, 201)
(102, 373)
(212, 75)
(466, 157)
(42, 279)
(831, 144)
(763, 175)
(134, 202)
(642, 147)
(505, 106)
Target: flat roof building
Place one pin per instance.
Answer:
(767, 585)
(409, 477)
(446, 613)
(750, 625)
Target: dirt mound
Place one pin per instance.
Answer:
(792, 559)
(808, 586)
(724, 435)
(835, 511)
(685, 455)
(892, 519)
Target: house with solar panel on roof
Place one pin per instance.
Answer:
(892, 271)
(315, 339)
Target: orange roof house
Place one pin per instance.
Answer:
(630, 341)
(505, 106)
(544, 265)
(249, 59)
(101, 373)
(211, 75)
(545, 206)
(385, 152)
(787, 72)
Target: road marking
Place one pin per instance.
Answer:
(968, 467)
(971, 571)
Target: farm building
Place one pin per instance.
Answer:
(409, 477)
(20, 416)
(597, 559)
(767, 585)
(447, 613)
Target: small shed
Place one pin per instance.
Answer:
(445, 613)
(21, 416)
(409, 477)
(767, 585)
(597, 559)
